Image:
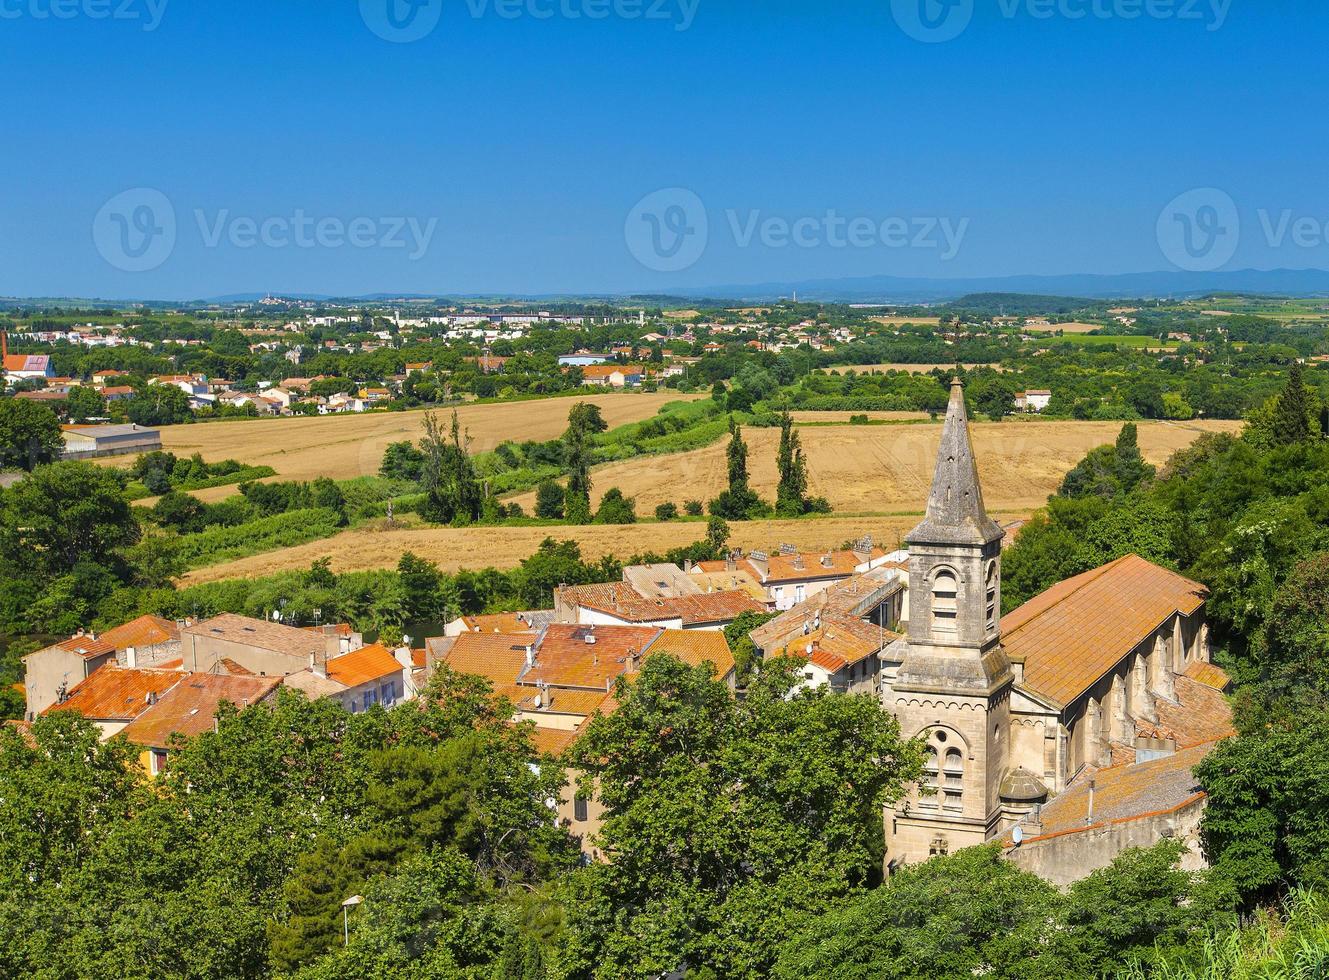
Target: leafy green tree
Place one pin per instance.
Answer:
(693, 508)
(738, 635)
(1110, 471)
(729, 820)
(181, 511)
(584, 421)
(402, 461)
(738, 502)
(1263, 825)
(616, 508)
(791, 494)
(952, 918)
(453, 494)
(422, 584)
(666, 512)
(84, 403)
(158, 404)
(549, 500)
(29, 434)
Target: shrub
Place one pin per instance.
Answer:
(693, 508)
(666, 512)
(616, 508)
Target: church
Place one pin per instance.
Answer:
(1066, 729)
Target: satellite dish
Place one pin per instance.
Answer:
(1017, 835)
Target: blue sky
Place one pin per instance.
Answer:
(518, 145)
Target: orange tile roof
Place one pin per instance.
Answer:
(117, 693)
(86, 646)
(497, 623)
(696, 647)
(554, 741)
(566, 658)
(496, 656)
(190, 707)
(363, 665)
(146, 631)
(1202, 714)
(1210, 675)
(798, 567)
(1123, 793)
(1078, 630)
(621, 600)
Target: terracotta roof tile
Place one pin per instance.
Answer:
(190, 707)
(363, 665)
(146, 631)
(1201, 714)
(1126, 792)
(587, 656)
(498, 623)
(1076, 631)
(118, 693)
(259, 633)
(696, 647)
(496, 656)
(621, 600)
(1210, 675)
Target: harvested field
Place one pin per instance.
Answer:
(504, 547)
(909, 368)
(345, 446)
(897, 321)
(842, 418)
(1072, 327)
(888, 469)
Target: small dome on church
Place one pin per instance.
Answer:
(1022, 786)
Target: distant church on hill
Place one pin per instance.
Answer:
(1067, 729)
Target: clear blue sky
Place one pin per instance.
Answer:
(530, 139)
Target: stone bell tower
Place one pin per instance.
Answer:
(954, 683)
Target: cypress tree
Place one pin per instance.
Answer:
(1292, 411)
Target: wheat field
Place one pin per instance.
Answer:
(888, 468)
(346, 446)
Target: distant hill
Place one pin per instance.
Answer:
(1134, 285)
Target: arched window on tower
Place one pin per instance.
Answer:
(945, 590)
(993, 581)
(953, 780)
(931, 780)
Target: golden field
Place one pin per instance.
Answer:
(1072, 327)
(345, 446)
(897, 321)
(504, 547)
(888, 468)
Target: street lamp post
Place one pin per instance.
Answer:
(346, 907)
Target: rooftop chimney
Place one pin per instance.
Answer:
(1089, 815)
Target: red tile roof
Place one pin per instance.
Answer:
(117, 693)
(696, 647)
(363, 665)
(1078, 630)
(190, 707)
(587, 656)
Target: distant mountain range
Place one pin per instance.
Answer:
(1132, 285)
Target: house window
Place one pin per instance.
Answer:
(158, 761)
(579, 809)
(800, 593)
(945, 590)
(388, 693)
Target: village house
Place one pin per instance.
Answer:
(559, 679)
(841, 631)
(789, 577)
(114, 696)
(359, 679)
(1033, 400)
(1104, 680)
(510, 623)
(612, 375)
(190, 708)
(236, 644)
(22, 367)
(52, 672)
(618, 604)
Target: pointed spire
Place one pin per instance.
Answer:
(955, 513)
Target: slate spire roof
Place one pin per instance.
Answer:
(955, 513)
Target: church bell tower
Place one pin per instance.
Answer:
(954, 682)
